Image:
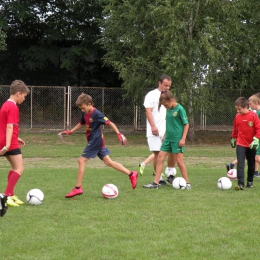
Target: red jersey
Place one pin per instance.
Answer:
(245, 127)
(9, 114)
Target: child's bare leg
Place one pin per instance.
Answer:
(159, 166)
(180, 162)
(16, 162)
(149, 159)
(117, 166)
(171, 160)
(81, 170)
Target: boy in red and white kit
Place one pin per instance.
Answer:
(245, 137)
(10, 142)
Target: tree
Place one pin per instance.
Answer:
(2, 41)
(191, 40)
(53, 42)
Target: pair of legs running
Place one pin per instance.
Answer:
(133, 175)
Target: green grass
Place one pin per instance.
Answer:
(201, 223)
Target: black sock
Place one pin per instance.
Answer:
(131, 174)
(77, 187)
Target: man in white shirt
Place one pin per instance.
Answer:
(155, 124)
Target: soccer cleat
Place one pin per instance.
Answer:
(141, 168)
(170, 179)
(11, 203)
(162, 182)
(257, 174)
(249, 184)
(133, 178)
(16, 200)
(239, 187)
(188, 187)
(74, 193)
(3, 204)
(152, 185)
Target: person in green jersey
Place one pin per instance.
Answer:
(254, 103)
(177, 126)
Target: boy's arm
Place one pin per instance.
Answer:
(149, 116)
(9, 133)
(120, 136)
(69, 132)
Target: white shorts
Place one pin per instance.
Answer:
(154, 143)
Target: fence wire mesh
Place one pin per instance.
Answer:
(53, 107)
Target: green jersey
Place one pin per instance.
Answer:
(176, 118)
(258, 113)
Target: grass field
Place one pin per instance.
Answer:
(201, 223)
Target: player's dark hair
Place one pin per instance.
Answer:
(165, 96)
(163, 77)
(18, 86)
(84, 99)
(242, 102)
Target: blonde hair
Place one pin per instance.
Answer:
(255, 98)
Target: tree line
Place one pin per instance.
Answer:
(201, 44)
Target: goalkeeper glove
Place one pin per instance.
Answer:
(64, 134)
(121, 138)
(255, 143)
(233, 142)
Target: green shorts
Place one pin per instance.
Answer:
(172, 147)
(258, 150)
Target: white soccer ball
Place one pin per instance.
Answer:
(224, 183)
(170, 171)
(232, 174)
(35, 197)
(110, 191)
(179, 183)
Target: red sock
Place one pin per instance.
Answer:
(13, 178)
(9, 174)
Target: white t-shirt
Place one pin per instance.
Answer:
(151, 101)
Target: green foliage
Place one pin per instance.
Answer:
(2, 40)
(53, 43)
(200, 44)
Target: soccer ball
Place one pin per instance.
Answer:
(224, 183)
(232, 174)
(110, 191)
(179, 183)
(35, 197)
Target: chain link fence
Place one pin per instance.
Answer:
(53, 108)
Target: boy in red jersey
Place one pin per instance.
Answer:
(10, 142)
(245, 137)
(93, 119)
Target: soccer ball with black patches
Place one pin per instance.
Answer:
(179, 183)
(35, 197)
(224, 183)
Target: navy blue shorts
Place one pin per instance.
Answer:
(92, 153)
